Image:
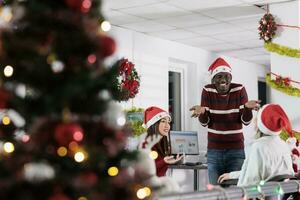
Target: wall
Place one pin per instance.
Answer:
(288, 14)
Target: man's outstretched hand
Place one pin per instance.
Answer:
(197, 110)
(253, 104)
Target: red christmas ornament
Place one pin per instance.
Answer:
(106, 46)
(79, 5)
(64, 133)
(59, 197)
(4, 98)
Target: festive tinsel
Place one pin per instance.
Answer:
(282, 50)
(267, 27)
(287, 89)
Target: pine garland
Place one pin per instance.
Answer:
(289, 90)
(282, 50)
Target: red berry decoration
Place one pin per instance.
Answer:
(66, 133)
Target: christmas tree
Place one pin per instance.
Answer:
(61, 137)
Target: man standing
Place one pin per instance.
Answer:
(224, 109)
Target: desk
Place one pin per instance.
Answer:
(196, 169)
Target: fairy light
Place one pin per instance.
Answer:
(86, 5)
(141, 193)
(73, 146)
(78, 136)
(25, 138)
(262, 182)
(279, 190)
(8, 71)
(121, 121)
(82, 198)
(147, 191)
(6, 14)
(91, 58)
(79, 156)
(105, 26)
(8, 147)
(258, 188)
(153, 155)
(113, 171)
(6, 120)
(62, 151)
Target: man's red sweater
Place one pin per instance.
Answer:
(224, 116)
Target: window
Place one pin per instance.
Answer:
(175, 99)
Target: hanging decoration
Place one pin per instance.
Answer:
(282, 50)
(128, 80)
(267, 27)
(283, 84)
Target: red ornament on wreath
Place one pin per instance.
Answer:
(128, 80)
(267, 27)
(67, 132)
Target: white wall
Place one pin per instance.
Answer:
(288, 14)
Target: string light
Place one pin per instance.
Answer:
(5, 120)
(147, 191)
(62, 151)
(262, 182)
(73, 146)
(82, 198)
(153, 155)
(91, 58)
(79, 156)
(78, 136)
(8, 147)
(113, 171)
(121, 121)
(105, 26)
(8, 71)
(6, 14)
(25, 138)
(141, 193)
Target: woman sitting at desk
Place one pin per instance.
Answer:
(157, 121)
(269, 155)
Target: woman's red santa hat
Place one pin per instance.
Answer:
(271, 120)
(154, 114)
(219, 65)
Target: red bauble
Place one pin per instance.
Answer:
(79, 5)
(106, 46)
(64, 133)
(59, 197)
(4, 97)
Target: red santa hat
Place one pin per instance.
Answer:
(271, 119)
(219, 65)
(154, 114)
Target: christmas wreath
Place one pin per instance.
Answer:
(267, 27)
(128, 80)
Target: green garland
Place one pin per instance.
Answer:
(282, 50)
(292, 91)
(284, 135)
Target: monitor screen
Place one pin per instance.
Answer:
(184, 142)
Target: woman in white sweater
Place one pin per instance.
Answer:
(269, 155)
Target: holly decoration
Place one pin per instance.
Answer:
(267, 27)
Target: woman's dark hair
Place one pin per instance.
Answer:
(163, 146)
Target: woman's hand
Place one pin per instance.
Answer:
(172, 160)
(223, 177)
(197, 110)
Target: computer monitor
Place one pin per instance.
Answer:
(184, 142)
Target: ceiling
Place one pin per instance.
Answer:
(227, 27)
